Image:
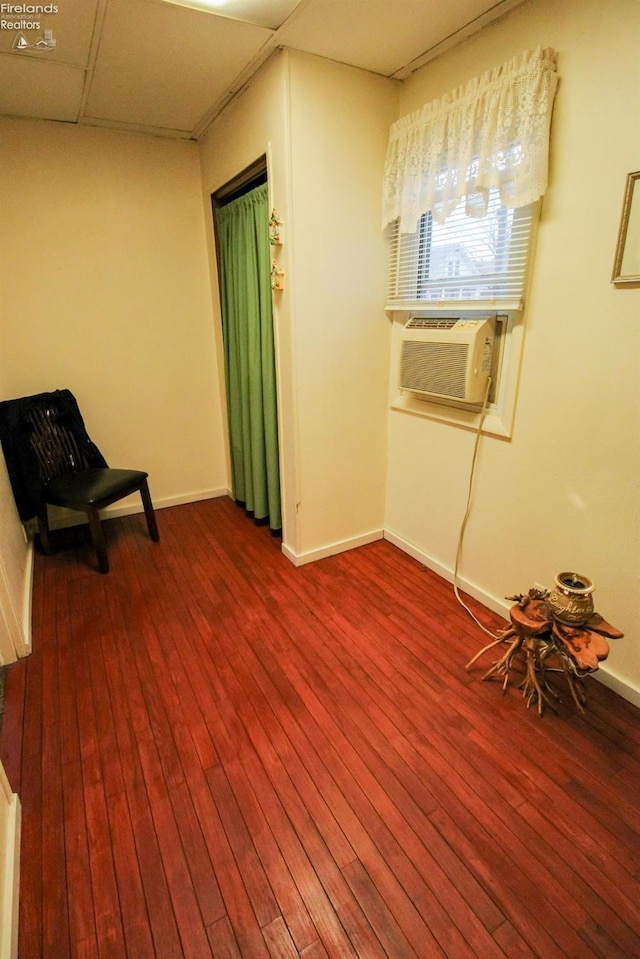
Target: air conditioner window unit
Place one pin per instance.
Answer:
(447, 358)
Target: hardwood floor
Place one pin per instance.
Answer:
(220, 755)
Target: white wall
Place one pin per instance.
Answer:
(15, 573)
(106, 292)
(10, 820)
(563, 493)
(340, 120)
(15, 578)
(324, 127)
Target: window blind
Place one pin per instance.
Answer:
(480, 260)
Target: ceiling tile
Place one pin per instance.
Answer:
(71, 28)
(160, 65)
(31, 88)
(265, 13)
(375, 34)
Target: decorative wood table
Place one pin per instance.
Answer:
(544, 645)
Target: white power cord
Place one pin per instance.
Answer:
(483, 414)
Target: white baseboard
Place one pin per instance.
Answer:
(499, 606)
(165, 502)
(300, 559)
(9, 894)
(27, 600)
(607, 677)
(604, 673)
(72, 518)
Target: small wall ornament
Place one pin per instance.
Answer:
(277, 277)
(274, 229)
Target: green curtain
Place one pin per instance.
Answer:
(247, 318)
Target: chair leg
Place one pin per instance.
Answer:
(99, 542)
(152, 526)
(43, 529)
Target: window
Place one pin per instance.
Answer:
(474, 266)
(481, 261)
(462, 182)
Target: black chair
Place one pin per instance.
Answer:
(51, 461)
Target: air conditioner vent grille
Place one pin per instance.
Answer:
(434, 367)
(431, 323)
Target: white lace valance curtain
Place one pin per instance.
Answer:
(493, 132)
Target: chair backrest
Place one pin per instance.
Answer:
(43, 436)
(53, 441)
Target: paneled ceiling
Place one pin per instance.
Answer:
(168, 67)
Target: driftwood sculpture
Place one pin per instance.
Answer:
(547, 646)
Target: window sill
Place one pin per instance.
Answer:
(429, 306)
(493, 424)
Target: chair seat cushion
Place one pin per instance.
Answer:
(93, 486)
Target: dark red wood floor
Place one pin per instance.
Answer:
(221, 755)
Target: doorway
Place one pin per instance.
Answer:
(241, 218)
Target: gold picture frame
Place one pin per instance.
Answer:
(626, 267)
